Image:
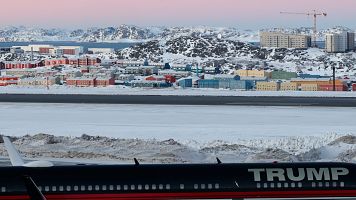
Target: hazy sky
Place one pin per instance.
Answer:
(245, 14)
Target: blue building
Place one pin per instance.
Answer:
(184, 83)
(236, 84)
(208, 83)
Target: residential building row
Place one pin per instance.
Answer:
(284, 40)
(335, 42)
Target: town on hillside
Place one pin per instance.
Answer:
(37, 65)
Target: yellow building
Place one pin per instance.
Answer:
(309, 87)
(267, 86)
(288, 86)
(252, 73)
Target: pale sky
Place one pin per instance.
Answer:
(244, 14)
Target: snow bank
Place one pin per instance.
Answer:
(99, 149)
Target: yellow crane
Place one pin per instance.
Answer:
(313, 13)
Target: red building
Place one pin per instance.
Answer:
(104, 81)
(22, 64)
(90, 82)
(329, 87)
(56, 62)
(170, 78)
(81, 82)
(44, 50)
(69, 51)
(354, 87)
(155, 78)
(85, 61)
(8, 80)
(166, 78)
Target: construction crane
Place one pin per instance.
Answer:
(313, 13)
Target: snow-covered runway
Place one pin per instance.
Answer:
(200, 123)
(168, 134)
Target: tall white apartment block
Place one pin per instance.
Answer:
(339, 42)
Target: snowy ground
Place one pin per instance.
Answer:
(175, 134)
(117, 90)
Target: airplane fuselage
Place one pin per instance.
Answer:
(183, 181)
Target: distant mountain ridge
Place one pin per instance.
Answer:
(122, 33)
(131, 33)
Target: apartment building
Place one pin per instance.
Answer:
(339, 42)
(252, 73)
(284, 40)
(288, 86)
(268, 86)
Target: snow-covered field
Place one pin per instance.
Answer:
(117, 90)
(156, 133)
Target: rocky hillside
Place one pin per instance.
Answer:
(232, 54)
(123, 32)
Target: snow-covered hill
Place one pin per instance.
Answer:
(232, 55)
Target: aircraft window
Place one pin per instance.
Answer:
(40, 188)
(46, 188)
(286, 185)
(160, 186)
(181, 186)
(168, 187)
(139, 187)
(126, 187)
(334, 184)
(132, 187)
(196, 186)
(111, 187)
(104, 187)
(54, 188)
(147, 187)
(279, 185)
(97, 187)
(154, 187)
(313, 184)
(217, 186)
(300, 185)
(82, 188)
(3, 189)
(76, 188)
(118, 187)
(202, 186)
(210, 186)
(61, 188)
(258, 185)
(265, 185)
(90, 188)
(327, 184)
(272, 185)
(292, 185)
(320, 184)
(342, 184)
(68, 188)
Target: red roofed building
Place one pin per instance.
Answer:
(22, 64)
(81, 82)
(329, 87)
(8, 80)
(56, 62)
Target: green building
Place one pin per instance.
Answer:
(283, 75)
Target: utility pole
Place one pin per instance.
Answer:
(334, 84)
